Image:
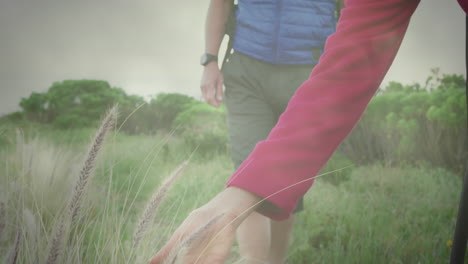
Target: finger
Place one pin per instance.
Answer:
(207, 245)
(204, 90)
(208, 93)
(219, 90)
(164, 252)
(206, 249)
(210, 96)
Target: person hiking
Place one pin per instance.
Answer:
(276, 43)
(322, 112)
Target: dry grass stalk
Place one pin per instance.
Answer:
(55, 248)
(178, 252)
(30, 230)
(12, 257)
(19, 141)
(2, 218)
(90, 161)
(153, 204)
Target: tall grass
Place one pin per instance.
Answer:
(375, 215)
(380, 215)
(47, 182)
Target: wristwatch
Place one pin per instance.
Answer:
(207, 58)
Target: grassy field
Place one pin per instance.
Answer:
(376, 214)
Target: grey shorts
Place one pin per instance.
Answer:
(256, 94)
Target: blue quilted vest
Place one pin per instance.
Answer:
(284, 31)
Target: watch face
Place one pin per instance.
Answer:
(207, 58)
(204, 59)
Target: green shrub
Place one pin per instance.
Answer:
(337, 170)
(203, 128)
(410, 125)
(80, 103)
(75, 103)
(379, 215)
(15, 116)
(167, 106)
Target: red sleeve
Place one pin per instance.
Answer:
(327, 106)
(464, 5)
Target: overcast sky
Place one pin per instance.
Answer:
(147, 47)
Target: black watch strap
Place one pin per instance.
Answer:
(207, 58)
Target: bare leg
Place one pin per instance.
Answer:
(253, 237)
(280, 236)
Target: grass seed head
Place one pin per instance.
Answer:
(56, 244)
(90, 162)
(154, 203)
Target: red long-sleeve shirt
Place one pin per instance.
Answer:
(327, 106)
(464, 5)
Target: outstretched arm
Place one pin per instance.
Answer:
(319, 116)
(328, 105)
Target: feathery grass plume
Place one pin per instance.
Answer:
(56, 244)
(177, 253)
(89, 163)
(153, 204)
(12, 257)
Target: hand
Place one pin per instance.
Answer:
(212, 84)
(207, 234)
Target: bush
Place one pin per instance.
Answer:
(203, 128)
(167, 106)
(409, 125)
(15, 116)
(337, 170)
(75, 103)
(80, 103)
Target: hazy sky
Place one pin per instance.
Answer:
(147, 47)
